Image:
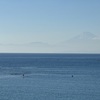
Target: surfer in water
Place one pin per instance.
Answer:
(23, 75)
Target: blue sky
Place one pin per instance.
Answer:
(50, 21)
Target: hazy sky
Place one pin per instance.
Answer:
(50, 21)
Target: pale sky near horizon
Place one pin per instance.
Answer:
(50, 21)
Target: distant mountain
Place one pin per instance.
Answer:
(85, 42)
(38, 44)
(32, 47)
(85, 36)
(82, 43)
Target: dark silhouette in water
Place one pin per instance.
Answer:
(72, 76)
(23, 75)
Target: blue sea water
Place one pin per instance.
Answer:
(49, 76)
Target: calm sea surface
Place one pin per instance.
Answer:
(49, 76)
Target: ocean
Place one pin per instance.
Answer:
(27, 76)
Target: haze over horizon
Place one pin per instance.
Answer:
(55, 26)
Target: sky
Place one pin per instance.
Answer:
(46, 21)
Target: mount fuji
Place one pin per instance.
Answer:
(85, 36)
(83, 43)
